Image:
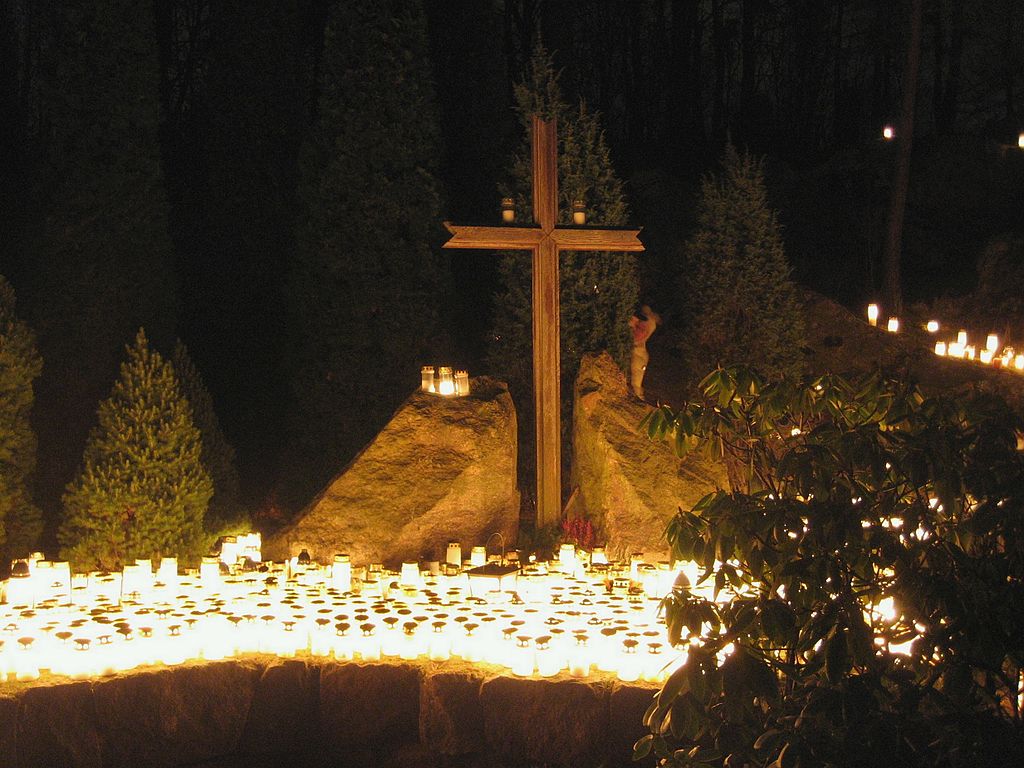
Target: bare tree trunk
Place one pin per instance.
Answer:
(901, 178)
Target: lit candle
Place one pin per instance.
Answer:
(341, 573)
(478, 556)
(508, 210)
(992, 342)
(940, 348)
(888, 133)
(961, 338)
(629, 664)
(410, 575)
(579, 657)
(548, 663)
(453, 555)
(1018, 362)
(522, 662)
(893, 326)
(446, 384)
(635, 561)
(461, 383)
(932, 326)
(873, 314)
(985, 356)
(167, 573)
(427, 378)
(209, 572)
(440, 644)
(579, 212)
(567, 557)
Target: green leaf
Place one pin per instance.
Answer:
(642, 747)
(768, 739)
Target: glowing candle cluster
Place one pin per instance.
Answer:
(571, 615)
(441, 381)
(994, 352)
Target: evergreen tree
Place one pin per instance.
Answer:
(218, 457)
(598, 291)
(741, 304)
(20, 364)
(365, 285)
(141, 490)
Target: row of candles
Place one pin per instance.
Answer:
(441, 381)
(508, 211)
(578, 614)
(575, 614)
(993, 353)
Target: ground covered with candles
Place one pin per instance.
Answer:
(160, 668)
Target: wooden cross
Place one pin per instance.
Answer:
(545, 240)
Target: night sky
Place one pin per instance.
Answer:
(809, 84)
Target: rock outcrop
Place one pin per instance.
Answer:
(443, 469)
(629, 486)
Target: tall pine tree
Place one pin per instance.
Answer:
(141, 490)
(225, 512)
(598, 291)
(366, 286)
(742, 306)
(20, 365)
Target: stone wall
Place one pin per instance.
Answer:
(256, 711)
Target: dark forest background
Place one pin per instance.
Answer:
(198, 167)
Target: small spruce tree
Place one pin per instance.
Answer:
(225, 514)
(742, 306)
(598, 291)
(142, 490)
(20, 364)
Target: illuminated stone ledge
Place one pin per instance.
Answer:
(255, 707)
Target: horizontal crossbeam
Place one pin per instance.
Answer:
(493, 238)
(597, 239)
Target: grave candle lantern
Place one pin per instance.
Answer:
(508, 210)
(445, 383)
(579, 212)
(454, 554)
(478, 557)
(427, 378)
(873, 314)
(209, 572)
(341, 573)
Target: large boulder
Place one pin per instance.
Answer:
(628, 485)
(443, 469)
